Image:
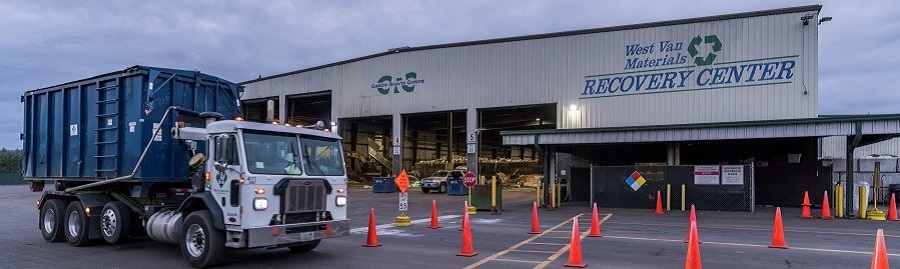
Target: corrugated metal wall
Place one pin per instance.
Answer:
(554, 70)
(835, 147)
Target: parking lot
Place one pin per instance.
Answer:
(631, 239)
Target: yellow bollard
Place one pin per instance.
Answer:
(494, 209)
(552, 195)
(682, 197)
(863, 203)
(558, 195)
(668, 197)
(537, 195)
(839, 200)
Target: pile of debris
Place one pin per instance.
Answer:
(519, 181)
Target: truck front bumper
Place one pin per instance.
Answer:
(288, 234)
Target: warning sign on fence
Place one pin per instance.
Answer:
(732, 175)
(706, 175)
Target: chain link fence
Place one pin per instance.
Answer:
(637, 186)
(11, 179)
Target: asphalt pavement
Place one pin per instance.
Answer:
(632, 238)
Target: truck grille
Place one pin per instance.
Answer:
(304, 196)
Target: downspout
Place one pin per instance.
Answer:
(857, 126)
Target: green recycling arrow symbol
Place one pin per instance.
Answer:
(711, 57)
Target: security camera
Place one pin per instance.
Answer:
(806, 18)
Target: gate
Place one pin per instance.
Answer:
(708, 187)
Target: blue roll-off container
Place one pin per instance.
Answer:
(96, 128)
(383, 185)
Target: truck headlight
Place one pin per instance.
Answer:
(340, 200)
(260, 204)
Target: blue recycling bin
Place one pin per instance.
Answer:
(456, 187)
(383, 185)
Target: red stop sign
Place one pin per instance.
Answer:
(469, 179)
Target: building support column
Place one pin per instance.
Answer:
(282, 109)
(472, 139)
(677, 153)
(397, 144)
(852, 143)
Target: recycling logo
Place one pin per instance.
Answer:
(408, 83)
(713, 41)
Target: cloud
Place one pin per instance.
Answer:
(44, 43)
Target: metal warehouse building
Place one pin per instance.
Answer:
(725, 105)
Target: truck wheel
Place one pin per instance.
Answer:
(443, 188)
(305, 247)
(115, 222)
(201, 244)
(76, 225)
(424, 190)
(51, 220)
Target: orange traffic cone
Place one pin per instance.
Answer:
(575, 259)
(879, 255)
(892, 211)
(535, 223)
(778, 231)
(693, 253)
(693, 219)
(434, 216)
(659, 209)
(595, 223)
(826, 209)
(466, 249)
(462, 225)
(372, 239)
(805, 214)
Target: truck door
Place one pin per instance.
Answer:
(225, 177)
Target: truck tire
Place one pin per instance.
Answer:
(424, 190)
(442, 188)
(115, 222)
(51, 220)
(77, 225)
(201, 244)
(305, 247)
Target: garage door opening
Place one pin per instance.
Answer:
(519, 166)
(367, 147)
(309, 108)
(433, 142)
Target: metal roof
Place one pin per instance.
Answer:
(808, 8)
(888, 124)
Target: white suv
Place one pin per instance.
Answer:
(438, 180)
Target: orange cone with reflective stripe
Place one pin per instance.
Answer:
(804, 213)
(879, 255)
(595, 223)
(575, 259)
(892, 210)
(659, 209)
(535, 223)
(372, 239)
(693, 219)
(693, 253)
(434, 216)
(826, 208)
(466, 249)
(778, 231)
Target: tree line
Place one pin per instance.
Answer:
(10, 160)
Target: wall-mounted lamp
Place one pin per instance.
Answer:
(573, 108)
(824, 19)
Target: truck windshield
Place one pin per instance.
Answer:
(272, 154)
(322, 158)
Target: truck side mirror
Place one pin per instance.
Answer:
(221, 152)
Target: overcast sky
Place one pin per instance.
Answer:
(44, 43)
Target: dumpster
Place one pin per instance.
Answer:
(481, 197)
(383, 184)
(456, 187)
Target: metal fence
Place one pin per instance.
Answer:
(729, 189)
(11, 179)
